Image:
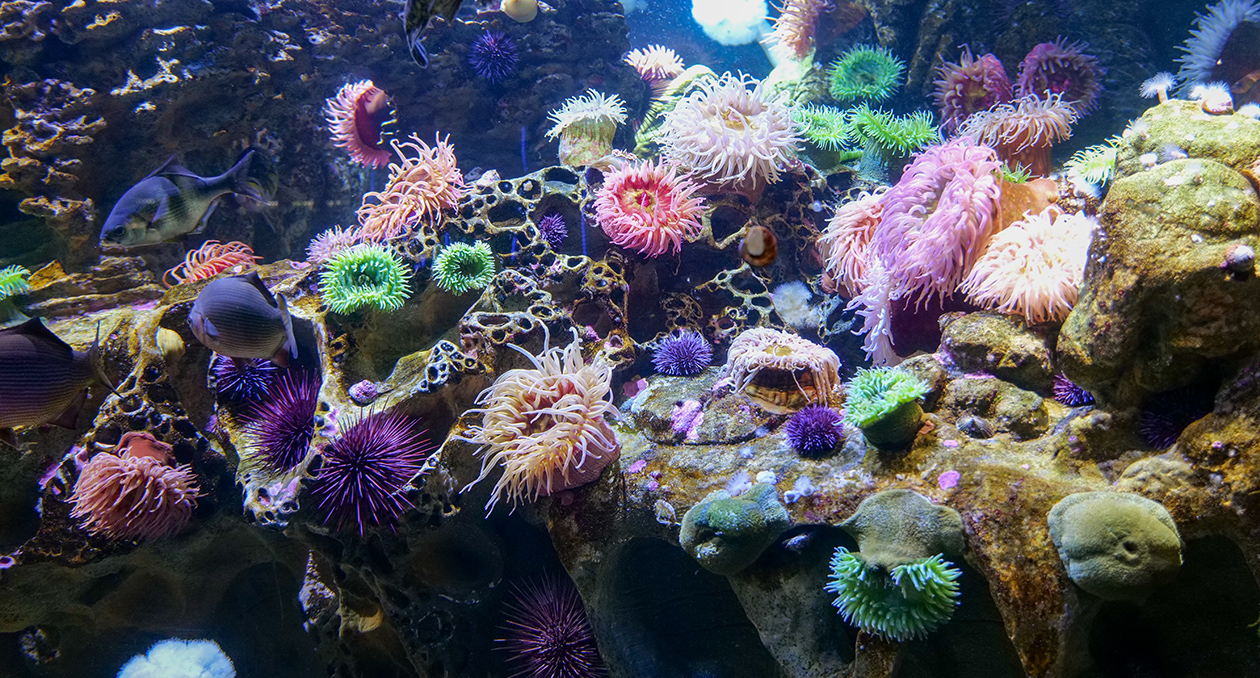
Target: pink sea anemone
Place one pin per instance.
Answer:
(970, 86)
(419, 188)
(1034, 267)
(796, 25)
(843, 245)
(332, 242)
(135, 493)
(209, 260)
(648, 208)
(355, 117)
(657, 65)
(1060, 68)
(1024, 131)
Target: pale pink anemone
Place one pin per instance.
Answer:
(779, 371)
(795, 27)
(330, 243)
(730, 136)
(136, 493)
(969, 86)
(1034, 267)
(648, 208)
(211, 259)
(842, 246)
(355, 117)
(657, 65)
(1063, 69)
(1024, 131)
(420, 187)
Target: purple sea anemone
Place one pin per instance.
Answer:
(969, 86)
(242, 379)
(362, 483)
(553, 229)
(1060, 68)
(814, 431)
(1070, 394)
(548, 634)
(682, 354)
(282, 423)
(493, 56)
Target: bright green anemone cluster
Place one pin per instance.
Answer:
(460, 267)
(1094, 164)
(865, 72)
(877, 393)
(364, 275)
(908, 601)
(13, 281)
(892, 135)
(827, 127)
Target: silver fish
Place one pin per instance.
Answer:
(43, 380)
(240, 318)
(171, 202)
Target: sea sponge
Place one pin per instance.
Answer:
(1115, 545)
(419, 188)
(586, 126)
(355, 117)
(781, 372)
(726, 534)
(1060, 68)
(209, 260)
(648, 208)
(545, 426)
(1024, 132)
(865, 73)
(884, 403)
(174, 658)
(461, 267)
(969, 86)
(895, 527)
(135, 493)
(791, 302)
(364, 275)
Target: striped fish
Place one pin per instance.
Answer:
(43, 380)
(240, 318)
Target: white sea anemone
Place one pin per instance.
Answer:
(1207, 40)
(176, 658)
(731, 22)
(586, 126)
(1158, 85)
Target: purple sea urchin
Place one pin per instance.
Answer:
(493, 56)
(548, 634)
(242, 379)
(282, 423)
(815, 430)
(682, 354)
(1070, 394)
(363, 481)
(553, 229)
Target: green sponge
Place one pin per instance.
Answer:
(726, 534)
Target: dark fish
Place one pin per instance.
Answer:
(171, 202)
(240, 318)
(416, 15)
(43, 380)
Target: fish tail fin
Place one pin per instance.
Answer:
(97, 363)
(239, 179)
(289, 348)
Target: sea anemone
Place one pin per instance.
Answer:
(364, 275)
(908, 601)
(419, 188)
(545, 426)
(461, 267)
(363, 481)
(843, 244)
(892, 136)
(281, 424)
(865, 73)
(1058, 68)
(826, 127)
(1158, 85)
(815, 430)
(330, 243)
(884, 403)
(1224, 46)
(729, 136)
(1023, 132)
(553, 229)
(12, 283)
(682, 354)
(731, 22)
(657, 65)
(794, 28)
(135, 493)
(209, 260)
(493, 56)
(355, 117)
(175, 658)
(548, 634)
(242, 379)
(1070, 394)
(586, 126)
(1093, 165)
(781, 372)
(1034, 267)
(969, 86)
(1213, 97)
(648, 208)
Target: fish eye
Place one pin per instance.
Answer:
(117, 232)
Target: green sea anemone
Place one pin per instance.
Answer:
(1015, 175)
(865, 72)
(1094, 164)
(364, 275)
(908, 601)
(827, 127)
(892, 135)
(12, 283)
(884, 403)
(460, 267)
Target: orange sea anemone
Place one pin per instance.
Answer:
(795, 27)
(419, 188)
(648, 208)
(135, 493)
(355, 117)
(779, 371)
(1024, 130)
(657, 65)
(546, 426)
(209, 260)
(1034, 267)
(842, 246)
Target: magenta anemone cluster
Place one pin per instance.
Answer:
(815, 430)
(493, 56)
(548, 634)
(1063, 69)
(242, 379)
(970, 86)
(682, 354)
(282, 423)
(363, 481)
(553, 229)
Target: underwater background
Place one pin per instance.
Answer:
(659, 338)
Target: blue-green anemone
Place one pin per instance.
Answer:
(884, 403)
(909, 601)
(460, 267)
(865, 72)
(892, 135)
(827, 127)
(364, 275)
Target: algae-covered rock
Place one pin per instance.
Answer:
(1114, 545)
(1232, 140)
(726, 534)
(1001, 345)
(896, 527)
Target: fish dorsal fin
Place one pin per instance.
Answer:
(253, 279)
(172, 168)
(34, 329)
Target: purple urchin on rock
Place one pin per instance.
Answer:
(548, 634)
(241, 379)
(682, 354)
(553, 229)
(366, 470)
(282, 423)
(1164, 416)
(815, 430)
(1070, 394)
(493, 56)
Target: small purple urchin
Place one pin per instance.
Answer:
(553, 229)
(548, 633)
(1165, 415)
(1070, 394)
(493, 56)
(242, 379)
(363, 480)
(815, 430)
(282, 423)
(682, 354)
